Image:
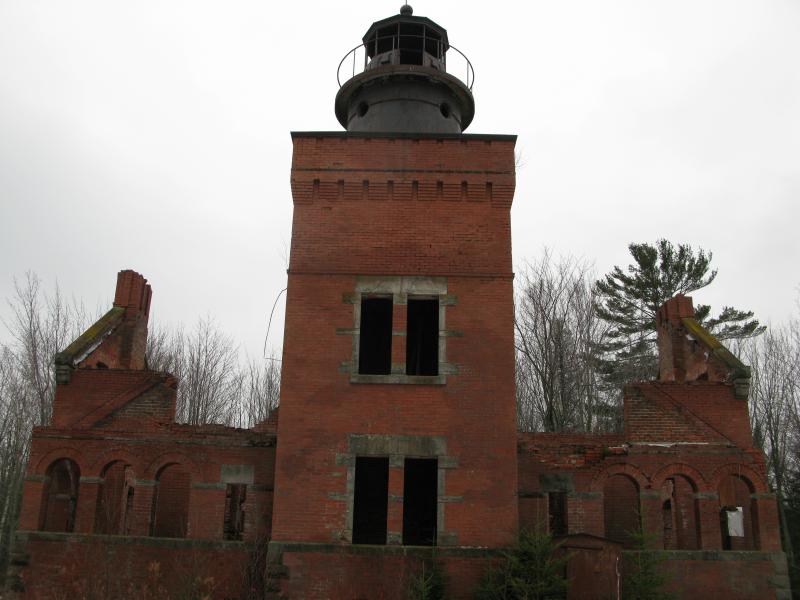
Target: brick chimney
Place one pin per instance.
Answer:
(672, 351)
(133, 294)
(689, 352)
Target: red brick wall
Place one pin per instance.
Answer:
(373, 575)
(76, 567)
(732, 576)
(92, 395)
(200, 451)
(400, 222)
(398, 206)
(686, 412)
(702, 473)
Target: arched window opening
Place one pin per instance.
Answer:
(680, 513)
(738, 516)
(170, 514)
(60, 496)
(621, 513)
(114, 500)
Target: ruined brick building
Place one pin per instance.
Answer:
(397, 438)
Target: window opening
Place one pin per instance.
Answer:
(419, 501)
(171, 503)
(621, 510)
(128, 511)
(557, 511)
(668, 523)
(370, 501)
(60, 496)
(738, 517)
(109, 511)
(233, 526)
(375, 337)
(422, 337)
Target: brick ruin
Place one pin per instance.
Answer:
(397, 438)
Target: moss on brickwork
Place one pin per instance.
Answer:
(92, 335)
(702, 335)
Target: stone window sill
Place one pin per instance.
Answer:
(395, 378)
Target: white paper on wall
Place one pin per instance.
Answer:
(736, 522)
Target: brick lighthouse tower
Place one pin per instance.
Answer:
(397, 422)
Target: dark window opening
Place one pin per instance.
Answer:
(621, 510)
(111, 501)
(170, 512)
(422, 337)
(370, 501)
(557, 512)
(375, 338)
(128, 511)
(668, 522)
(233, 525)
(419, 501)
(60, 496)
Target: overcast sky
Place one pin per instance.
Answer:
(155, 136)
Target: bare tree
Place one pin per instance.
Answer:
(774, 359)
(775, 408)
(557, 336)
(16, 420)
(40, 325)
(213, 386)
(259, 393)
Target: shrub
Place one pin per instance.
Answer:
(530, 571)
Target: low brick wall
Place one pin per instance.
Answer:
(725, 574)
(62, 566)
(339, 572)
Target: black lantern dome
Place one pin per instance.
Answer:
(403, 85)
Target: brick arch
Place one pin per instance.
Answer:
(171, 458)
(50, 457)
(115, 494)
(96, 468)
(634, 473)
(680, 511)
(60, 495)
(748, 474)
(174, 474)
(684, 470)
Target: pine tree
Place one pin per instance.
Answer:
(629, 299)
(645, 578)
(534, 570)
(429, 583)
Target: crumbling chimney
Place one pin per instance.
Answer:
(689, 352)
(133, 294)
(672, 342)
(118, 340)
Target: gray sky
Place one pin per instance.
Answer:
(155, 136)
